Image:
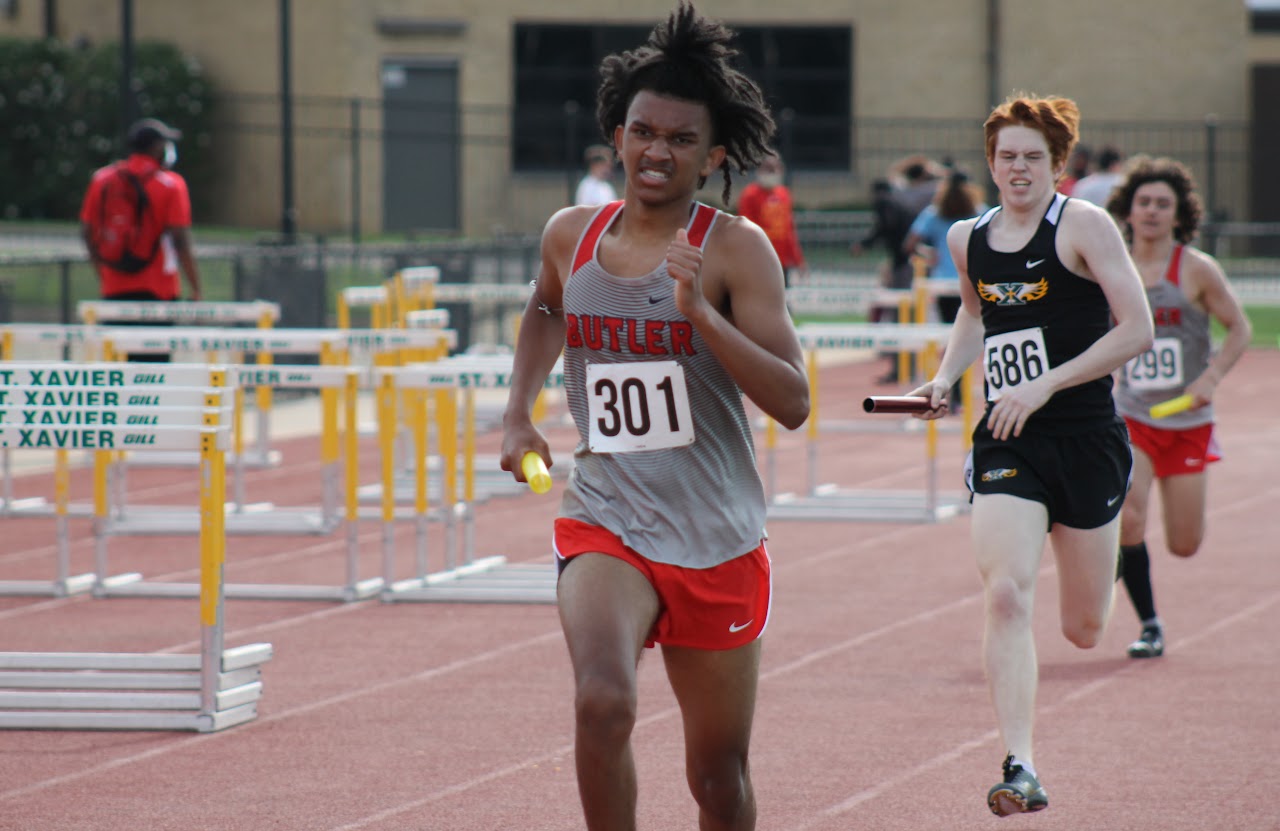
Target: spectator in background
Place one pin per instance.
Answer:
(1077, 169)
(767, 203)
(956, 200)
(890, 223)
(916, 179)
(595, 187)
(1097, 186)
(136, 222)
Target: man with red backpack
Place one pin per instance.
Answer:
(136, 220)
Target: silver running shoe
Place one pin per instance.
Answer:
(1150, 644)
(1019, 793)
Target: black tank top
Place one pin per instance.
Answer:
(1032, 300)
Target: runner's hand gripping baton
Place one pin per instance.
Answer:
(535, 472)
(1174, 405)
(896, 404)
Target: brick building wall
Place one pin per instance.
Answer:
(1137, 60)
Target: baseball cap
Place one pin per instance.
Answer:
(146, 132)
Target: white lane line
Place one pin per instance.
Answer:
(915, 773)
(185, 742)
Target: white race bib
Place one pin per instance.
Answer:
(1159, 368)
(1012, 358)
(637, 406)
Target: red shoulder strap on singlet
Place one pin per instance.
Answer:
(1175, 260)
(703, 217)
(591, 237)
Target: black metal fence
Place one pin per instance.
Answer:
(45, 285)
(344, 138)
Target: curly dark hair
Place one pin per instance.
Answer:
(1143, 170)
(689, 57)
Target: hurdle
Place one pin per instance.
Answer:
(212, 690)
(40, 338)
(411, 290)
(490, 295)
(486, 580)
(831, 502)
(331, 381)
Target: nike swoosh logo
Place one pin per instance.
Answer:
(1113, 500)
(733, 627)
(1033, 263)
(653, 300)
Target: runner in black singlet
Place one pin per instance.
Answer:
(1041, 276)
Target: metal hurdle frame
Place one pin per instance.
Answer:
(333, 381)
(831, 502)
(62, 339)
(333, 347)
(213, 690)
(486, 580)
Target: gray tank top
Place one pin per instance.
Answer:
(665, 457)
(1180, 353)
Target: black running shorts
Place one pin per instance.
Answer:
(1081, 479)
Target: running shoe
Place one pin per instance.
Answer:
(1150, 644)
(1019, 793)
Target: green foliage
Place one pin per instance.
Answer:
(60, 119)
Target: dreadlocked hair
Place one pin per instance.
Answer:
(689, 57)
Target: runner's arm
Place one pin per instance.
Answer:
(1096, 242)
(754, 337)
(1221, 303)
(187, 259)
(965, 344)
(538, 345)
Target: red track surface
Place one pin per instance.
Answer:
(873, 711)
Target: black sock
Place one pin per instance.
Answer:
(1135, 567)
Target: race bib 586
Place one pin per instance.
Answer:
(1012, 359)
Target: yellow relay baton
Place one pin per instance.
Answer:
(1174, 405)
(535, 472)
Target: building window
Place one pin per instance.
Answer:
(1265, 21)
(804, 69)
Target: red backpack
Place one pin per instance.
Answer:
(127, 235)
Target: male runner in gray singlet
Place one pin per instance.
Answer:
(668, 313)
(1186, 288)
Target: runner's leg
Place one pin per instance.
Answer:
(607, 609)
(1008, 540)
(716, 690)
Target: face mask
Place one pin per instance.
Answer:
(170, 154)
(769, 180)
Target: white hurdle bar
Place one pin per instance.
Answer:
(310, 342)
(213, 690)
(486, 580)
(256, 518)
(829, 501)
(185, 312)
